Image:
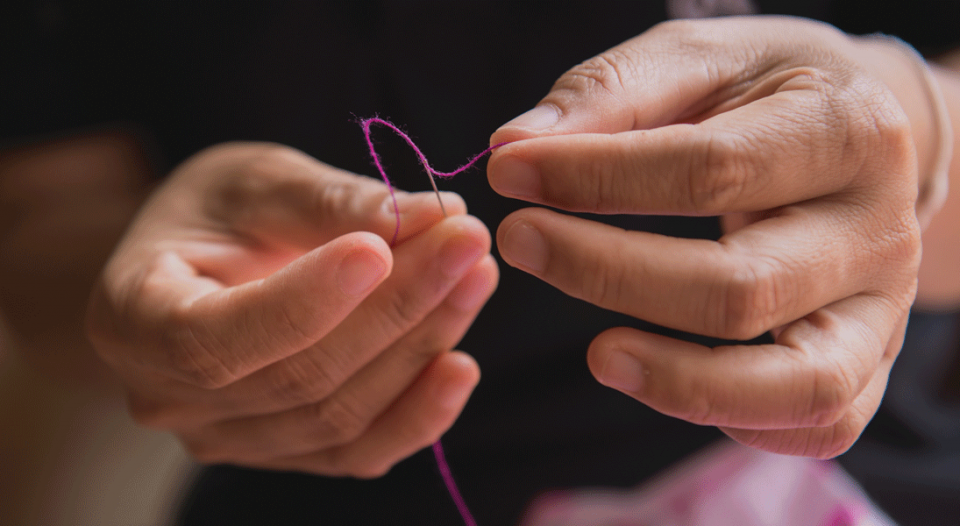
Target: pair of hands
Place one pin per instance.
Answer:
(255, 310)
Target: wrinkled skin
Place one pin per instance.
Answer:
(232, 311)
(776, 125)
(255, 310)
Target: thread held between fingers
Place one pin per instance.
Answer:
(454, 259)
(431, 172)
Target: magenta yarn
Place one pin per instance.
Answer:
(452, 485)
(442, 464)
(431, 172)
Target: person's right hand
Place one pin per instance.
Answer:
(256, 311)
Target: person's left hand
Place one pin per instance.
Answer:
(776, 124)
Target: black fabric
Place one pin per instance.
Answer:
(299, 73)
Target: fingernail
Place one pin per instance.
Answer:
(412, 205)
(622, 372)
(539, 118)
(525, 245)
(515, 178)
(404, 201)
(470, 292)
(388, 205)
(459, 254)
(359, 271)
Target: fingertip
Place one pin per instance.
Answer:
(458, 375)
(532, 123)
(597, 354)
(614, 362)
(361, 240)
(359, 271)
(476, 287)
(365, 260)
(523, 245)
(453, 203)
(420, 211)
(471, 227)
(414, 204)
(512, 176)
(466, 367)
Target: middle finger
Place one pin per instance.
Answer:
(737, 288)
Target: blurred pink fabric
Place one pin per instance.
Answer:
(727, 485)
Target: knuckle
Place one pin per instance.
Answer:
(334, 201)
(594, 193)
(606, 72)
(425, 349)
(251, 178)
(607, 186)
(903, 259)
(289, 322)
(341, 423)
(898, 244)
(893, 132)
(192, 357)
(825, 443)
(601, 278)
(751, 301)
(699, 408)
(271, 161)
(404, 309)
(831, 392)
(300, 380)
(880, 126)
(718, 176)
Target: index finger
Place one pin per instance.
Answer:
(281, 196)
(795, 145)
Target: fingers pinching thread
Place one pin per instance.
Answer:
(431, 172)
(442, 464)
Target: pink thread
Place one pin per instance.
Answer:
(452, 485)
(431, 172)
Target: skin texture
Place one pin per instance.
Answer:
(255, 310)
(780, 126)
(232, 309)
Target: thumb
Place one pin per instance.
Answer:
(675, 72)
(214, 335)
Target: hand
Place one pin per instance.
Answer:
(774, 124)
(255, 310)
